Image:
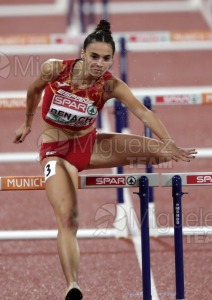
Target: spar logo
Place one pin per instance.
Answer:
(177, 99)
(73, 104)
(131, 180)
(92, 110)
(111, 181)
(199, 179)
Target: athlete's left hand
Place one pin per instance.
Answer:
(177, 153)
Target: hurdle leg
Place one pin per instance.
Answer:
(145, 241)
(178, 236)
(149, 169)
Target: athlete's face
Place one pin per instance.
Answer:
(98, 57)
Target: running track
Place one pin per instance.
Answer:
(109, 268)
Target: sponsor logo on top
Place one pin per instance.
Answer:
(28, 39)
(70, 103)
(12, 102)
(23, 183)
(199, 179)
(155, 36)
(111, 181)
(207, 98)
(92, 110)
(191, 36)
(178, 99)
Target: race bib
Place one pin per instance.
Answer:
(50, 169)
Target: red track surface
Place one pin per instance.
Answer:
(109, 268)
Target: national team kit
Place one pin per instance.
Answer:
(68, 107)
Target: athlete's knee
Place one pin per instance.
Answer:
(69, 220)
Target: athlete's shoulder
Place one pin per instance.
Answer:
(54, 68)
(68, 62)
(50, 69)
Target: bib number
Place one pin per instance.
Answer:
(50, 169)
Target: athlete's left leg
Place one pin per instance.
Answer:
(115, 149)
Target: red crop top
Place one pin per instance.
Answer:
(65, 106)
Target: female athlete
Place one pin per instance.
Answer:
(75, 91)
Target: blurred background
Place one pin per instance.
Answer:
(164, 53)
(167, 41)
(163, 50)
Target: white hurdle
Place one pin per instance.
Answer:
(20, 183)
(189, 179)
(23, 183)
(16, 157)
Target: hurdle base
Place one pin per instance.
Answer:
(120, 222)
(187, 231)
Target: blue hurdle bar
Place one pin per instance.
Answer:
(120, 110)
(123, 75)
(145, 241)
(148, 133)
(119, 124)
(178, 236)
(105, 9)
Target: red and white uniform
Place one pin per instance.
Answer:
(65, 106)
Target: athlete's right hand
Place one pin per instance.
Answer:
(21, 133)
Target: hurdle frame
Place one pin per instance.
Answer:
(15, 183)
(178, 236)
(24, 183)
(176, 181)
(144, 189)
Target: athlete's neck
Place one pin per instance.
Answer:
(81, 76)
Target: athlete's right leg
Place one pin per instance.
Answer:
(61, 187)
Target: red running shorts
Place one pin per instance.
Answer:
(77, 151)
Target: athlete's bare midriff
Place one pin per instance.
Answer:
(52, 133)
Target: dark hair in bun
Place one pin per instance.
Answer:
(102, 33)
(103, 26)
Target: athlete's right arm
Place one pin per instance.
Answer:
(49, 72)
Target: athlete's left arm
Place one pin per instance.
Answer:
(123, 93)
